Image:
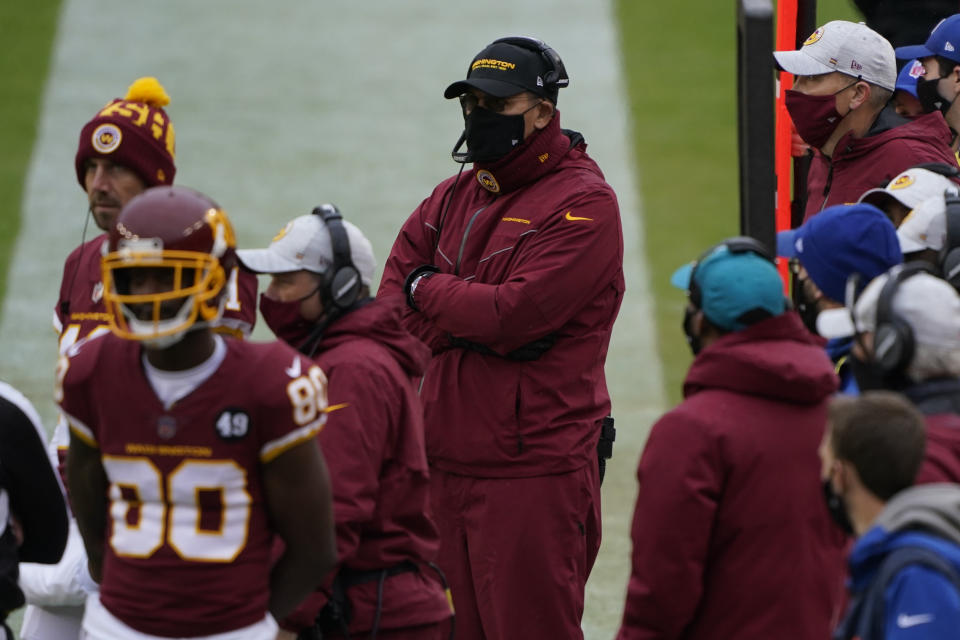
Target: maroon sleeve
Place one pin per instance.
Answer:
(353, 443)
(240, 309)
(69, 266)
(72, 393)
(292, 399)
(680, 477)
(555, 275)
(413, 248)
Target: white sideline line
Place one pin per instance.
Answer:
(280, 106)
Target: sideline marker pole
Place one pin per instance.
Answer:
(786, 39)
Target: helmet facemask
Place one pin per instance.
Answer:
(196, 280)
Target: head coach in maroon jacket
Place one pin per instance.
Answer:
(513, 275)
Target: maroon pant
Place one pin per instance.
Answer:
(434, 631)
(517, 551)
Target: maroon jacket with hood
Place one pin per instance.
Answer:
(939, 401)
(731, 536)
(892, 145)
(529, 247)
(374, 447)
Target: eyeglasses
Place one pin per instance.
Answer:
(469, 102)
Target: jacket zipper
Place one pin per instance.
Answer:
(463, 241)
(826, 188)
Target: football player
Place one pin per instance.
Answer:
(189, 451)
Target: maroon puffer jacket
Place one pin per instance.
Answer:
(731, 536)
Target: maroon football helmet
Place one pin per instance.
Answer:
(182, 234)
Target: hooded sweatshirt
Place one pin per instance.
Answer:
(731, 538)
(891, 145)
(920, 602)
(374, 447)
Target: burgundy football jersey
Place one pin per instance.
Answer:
(80, 311)
(188, 541)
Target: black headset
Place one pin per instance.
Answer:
(950, 253)
(556, 76)
(893, 341)
(341, 285)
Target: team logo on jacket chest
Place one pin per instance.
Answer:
(487, 181)
(232, 424)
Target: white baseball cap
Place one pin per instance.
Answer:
(304, 243)
(925, 302)
(925, 227)
(851, 48)
(910, 188)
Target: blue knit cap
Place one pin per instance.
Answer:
(840, 241)
(732, 285)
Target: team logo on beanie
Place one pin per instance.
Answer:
(106, 138)
(816, 35)
(487, 181)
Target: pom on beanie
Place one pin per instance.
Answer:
(134, 132)
(149, 91)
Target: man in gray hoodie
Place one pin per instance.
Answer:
(905, 565)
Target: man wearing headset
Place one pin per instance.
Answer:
(318, 301)
(824, 252)
(513, 276)
(728, 539)
(906, 329)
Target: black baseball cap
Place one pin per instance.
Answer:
(505, 69)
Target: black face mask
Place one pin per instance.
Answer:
(869, 377)
(929, 96)
(693, 340)
(836, 507)
(489, 136)
(808, 311)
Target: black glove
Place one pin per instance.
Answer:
(409, 285)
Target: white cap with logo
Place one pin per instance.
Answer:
(925, 227)
(851, 48)
(911, 187)
(304, 244)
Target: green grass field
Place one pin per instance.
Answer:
(27, 36)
